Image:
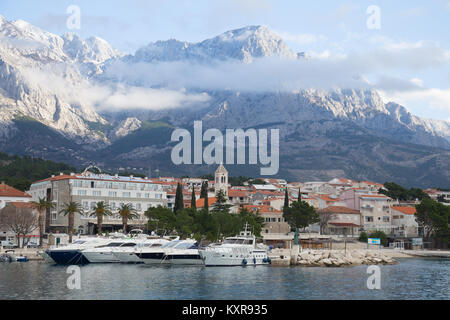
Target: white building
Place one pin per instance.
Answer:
(88, 189)
(404, 220)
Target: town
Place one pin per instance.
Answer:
(347, 210)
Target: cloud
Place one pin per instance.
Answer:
(324, 70)
(87, 94)
(302, 38)
(431, 98)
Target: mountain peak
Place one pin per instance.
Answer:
(243, 44)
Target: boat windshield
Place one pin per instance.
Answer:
(171, 244)
(186, 245)
(130, 244)
(234, 241)
(79, 242)
(114, 244)
(238, 241)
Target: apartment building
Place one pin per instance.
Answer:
(87, 189)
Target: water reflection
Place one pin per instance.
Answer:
(411, 279)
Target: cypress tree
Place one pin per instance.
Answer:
(286, 198)
(204, 190)
(206, 205)
(193, 205)
(179, 204)
(299, 195)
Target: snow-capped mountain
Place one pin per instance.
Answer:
(53, 91)
(39, 75)
(245, 44)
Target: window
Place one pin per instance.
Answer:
(368, 218)
(147, 195)
(126, 194)
(112, 193)
(81, 192)
(85, 205)
(138, 206)
(386, 219)
(112, 205)
(96, 193)
(138, 195)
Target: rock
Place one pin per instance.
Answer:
(327, 262)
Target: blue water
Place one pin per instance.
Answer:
(410, 279)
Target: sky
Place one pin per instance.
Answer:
(404, 50)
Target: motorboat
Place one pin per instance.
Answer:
(105, 253)
(173, 252)
(184, 253)
(129, 254)
(71, 254)
(240, 250)
(9, 256)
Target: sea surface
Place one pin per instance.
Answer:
(410, 279)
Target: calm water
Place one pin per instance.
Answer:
(410, 279)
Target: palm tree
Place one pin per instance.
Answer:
(100, 210)
(42, 205)
(127, 212)
(70, 209)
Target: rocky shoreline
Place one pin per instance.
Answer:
(341, 258)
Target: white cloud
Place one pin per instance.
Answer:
(302, 38)
(110, 97)
(436, 100)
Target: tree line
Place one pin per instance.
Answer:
(20, 172)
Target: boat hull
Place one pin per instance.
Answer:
(127, 257)
(183, 259)
(100, 257)
(214, 259)
(67, 257)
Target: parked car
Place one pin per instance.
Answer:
(32, 245)
(8, 245)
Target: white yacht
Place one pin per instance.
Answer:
(71, 254)
(129, 254)
(240, 250)
(175, 252)
(184, 253)
(105, 254)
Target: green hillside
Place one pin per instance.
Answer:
(20, 172)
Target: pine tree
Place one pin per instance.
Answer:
(193, 205)
(179, 204)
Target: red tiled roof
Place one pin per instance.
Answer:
(236, 193)
(8, 191)
(327, 198)
(339, 209)
(261, 208)
(201, 202)
(405, 210)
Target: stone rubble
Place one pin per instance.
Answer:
(340, 258)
